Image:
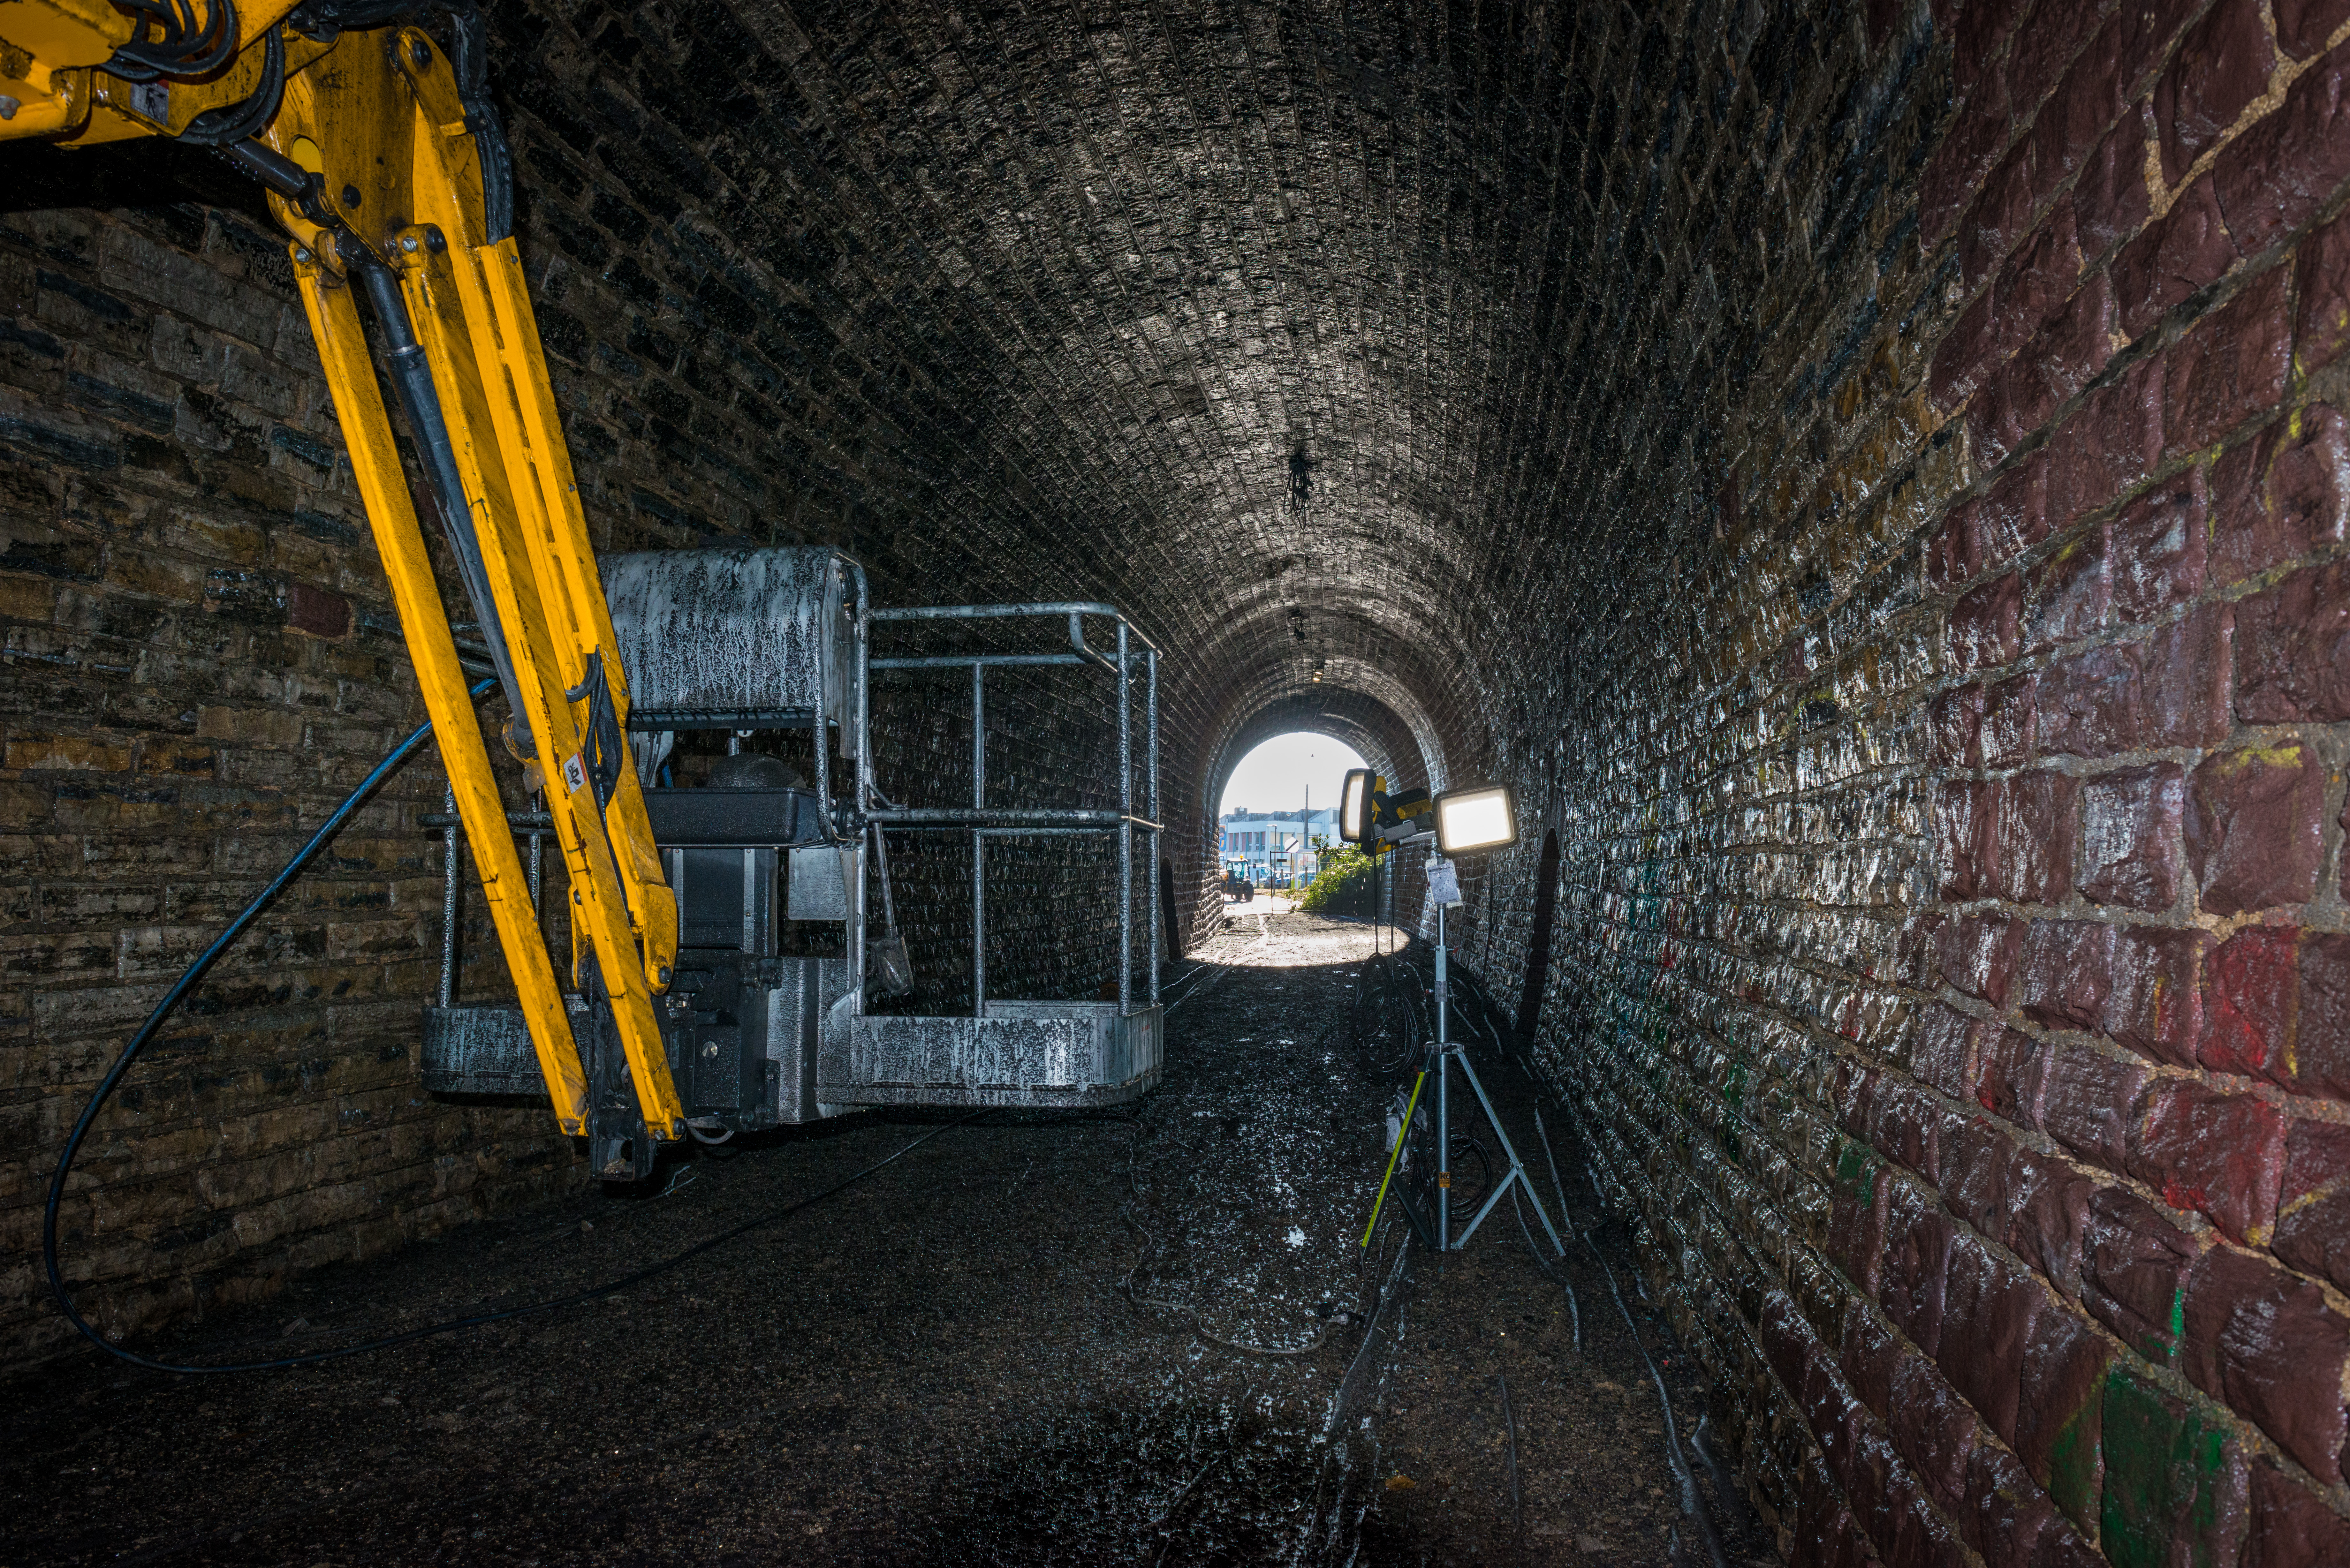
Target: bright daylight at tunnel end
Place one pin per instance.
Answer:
(623, 631)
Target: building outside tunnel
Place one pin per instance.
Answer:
(1870, 476)
(1258, 844)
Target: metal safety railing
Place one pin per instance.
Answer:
(1135, 656)
(535, 825)
(983, 822)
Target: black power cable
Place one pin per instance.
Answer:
(170, 1004)
(226, 127)
(1692, 1504)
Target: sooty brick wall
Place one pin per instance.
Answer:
(1869, 471)
(1951, 976)
(759, 328)
(199, 660)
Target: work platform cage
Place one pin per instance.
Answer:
(768, 1021)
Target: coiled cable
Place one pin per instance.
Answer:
(181, 48)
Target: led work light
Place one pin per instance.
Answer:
(1371, 813)
(1471, 820)
(1355, 804)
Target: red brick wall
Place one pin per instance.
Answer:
(1954, 976)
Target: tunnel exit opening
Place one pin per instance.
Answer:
(1270, 830)
(1364, 719)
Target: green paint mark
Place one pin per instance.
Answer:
(2165, 1479)
(2161, 1347)
(1856, 1170)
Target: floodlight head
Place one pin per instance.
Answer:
(1471, 820)
(1355, 804)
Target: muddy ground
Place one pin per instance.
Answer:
(1142, 1337)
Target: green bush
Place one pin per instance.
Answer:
(1342, 883)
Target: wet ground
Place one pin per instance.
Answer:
(1147, 1338)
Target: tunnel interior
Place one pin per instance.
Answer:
(1868, 474)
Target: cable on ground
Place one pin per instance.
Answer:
(188, 981)
(1691, 1504)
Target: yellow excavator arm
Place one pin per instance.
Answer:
(388, 167)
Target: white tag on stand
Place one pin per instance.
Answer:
(1444, 883)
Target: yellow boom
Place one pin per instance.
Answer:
(386, 164)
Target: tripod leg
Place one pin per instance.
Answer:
(1402, 1133)
(1517, 1166)
(1443, 1155)
(1419, 1222)
(1515, 1173)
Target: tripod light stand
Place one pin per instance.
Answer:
(1465, 822)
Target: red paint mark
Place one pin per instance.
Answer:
(2181, 1196)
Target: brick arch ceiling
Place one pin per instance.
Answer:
(1220, 311)
(1263, 663)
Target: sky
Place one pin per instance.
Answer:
(1278, 774)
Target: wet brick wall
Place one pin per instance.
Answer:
(200, 659)
(1865, 471)
(1952, 976)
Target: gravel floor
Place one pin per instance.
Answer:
(1116, 1338)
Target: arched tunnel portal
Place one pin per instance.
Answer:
(1869, 474)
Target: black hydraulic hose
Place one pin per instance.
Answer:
(188, 981)
(405, 367)
(181, 49)
(226, 127)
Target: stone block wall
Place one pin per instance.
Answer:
(1952, 975)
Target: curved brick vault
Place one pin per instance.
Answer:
(1868, 472)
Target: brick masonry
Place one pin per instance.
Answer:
(200, 655)
(1872, 473)
(1952, 933)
